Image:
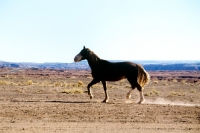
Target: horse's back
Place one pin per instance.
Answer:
(113, 71)
(117, 65)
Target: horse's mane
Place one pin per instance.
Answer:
(93, 59)
(91, 55)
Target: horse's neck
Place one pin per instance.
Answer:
(93, 60)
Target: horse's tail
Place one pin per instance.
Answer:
(143, 77)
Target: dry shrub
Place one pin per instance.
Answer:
(122, 82)
(155, 82)
(110, 86)
(57, 84)
(192, 84)
(29, 82)
(127, 86)
(174, 93)
(97, 86)
(21, 90)
(39, 91)
(60, 84)
(46, 83)
(71, 85)
(14, 84)
(3, 82)
(80, 83)
(73, 91)
(193, 91)
(64, 84)
(165, 84)
(183, 81)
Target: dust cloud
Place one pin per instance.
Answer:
(168, 102)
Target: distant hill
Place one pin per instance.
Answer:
(148, 65)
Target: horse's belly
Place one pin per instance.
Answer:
(112, 78)
(108, 76)
(115, 78)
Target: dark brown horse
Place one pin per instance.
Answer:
(103, 70)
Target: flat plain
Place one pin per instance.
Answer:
(48, 100)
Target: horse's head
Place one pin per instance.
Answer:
(82, 55)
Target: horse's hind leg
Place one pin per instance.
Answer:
(106, 93)
(133, 85)
(142, 100)
(128, 95)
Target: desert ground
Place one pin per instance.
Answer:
(56, 101)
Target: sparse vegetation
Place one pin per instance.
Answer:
(59, 99)
(29, 82)
(20, 90)
(73, 91)
(39, 91)
(4, 82)
(193, 91)
(155, 82)
(80, 83)
(151, 92)
(176, 93)
(170, 88)
(128, 86)
(122, 82)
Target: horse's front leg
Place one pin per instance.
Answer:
(105, 90)
(94, 81)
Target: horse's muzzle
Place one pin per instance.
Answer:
(77, 58)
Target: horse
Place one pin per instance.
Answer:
(103, 70)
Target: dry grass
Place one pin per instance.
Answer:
(122, 82)
(183, 81)
(173, 89)
(193, 91)
(176, 93)
(80, 83)
(128, 86)
(4, 82)
(29, 82)
(155, 82)
(152, 92)
(21, 90)
(59, 84)
(73, 91)
(39, 91)
(97, 86)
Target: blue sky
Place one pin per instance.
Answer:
(56, 30)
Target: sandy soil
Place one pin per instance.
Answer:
(56, 101)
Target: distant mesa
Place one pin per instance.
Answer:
(148, 65)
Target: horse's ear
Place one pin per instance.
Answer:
(83, 47)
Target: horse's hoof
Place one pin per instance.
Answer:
(128, 97)
(141, 101)
(91, 96)
(104, 101)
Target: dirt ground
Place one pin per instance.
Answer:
(50, 101)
